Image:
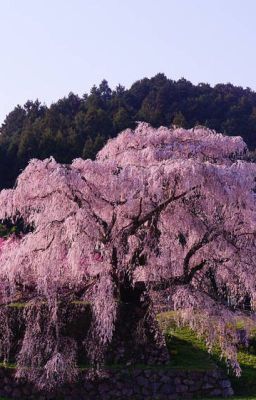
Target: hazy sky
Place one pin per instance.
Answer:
(51, 47)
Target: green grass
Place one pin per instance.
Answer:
(189, 352)
(246, 384)
(18, 305)
(8, 366)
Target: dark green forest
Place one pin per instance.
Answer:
(79, 126)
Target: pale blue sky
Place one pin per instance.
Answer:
(51, 47)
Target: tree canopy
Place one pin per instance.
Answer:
(159, 209)
(79, 126)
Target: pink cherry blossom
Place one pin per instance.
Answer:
(2, 241)
(167, 210)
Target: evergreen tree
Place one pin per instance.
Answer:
(74, 127)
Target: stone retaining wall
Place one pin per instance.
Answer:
(128, 384)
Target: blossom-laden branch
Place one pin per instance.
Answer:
(158, 209)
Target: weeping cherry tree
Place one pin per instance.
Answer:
(159, 210)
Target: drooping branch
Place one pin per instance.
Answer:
(206, 239)
(110, 216)
(183, 279)
(136, 224)
(188, 273)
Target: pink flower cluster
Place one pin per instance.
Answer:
(173, 208)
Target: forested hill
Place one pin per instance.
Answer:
(79, 126)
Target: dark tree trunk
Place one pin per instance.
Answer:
(137, 337)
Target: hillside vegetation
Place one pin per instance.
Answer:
(79, 126)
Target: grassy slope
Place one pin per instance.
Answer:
(189, 352)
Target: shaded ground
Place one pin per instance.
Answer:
(189, 352)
